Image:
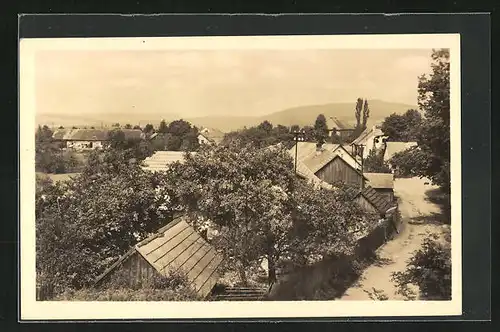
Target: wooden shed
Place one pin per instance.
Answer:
(383, 183)
(176, 247)
(371, 201)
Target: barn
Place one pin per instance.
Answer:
(330, 163)
(383, 183)
(176, 247)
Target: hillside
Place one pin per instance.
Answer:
(306, 115)
(302, 115)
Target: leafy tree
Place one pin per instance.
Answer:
(321, 129)
(148, 128)
(84, 225)
(132, 147)
(61, 127)
(49, 156)
(374, 163)
(116, 125)
(259, 208)
(137, 127)
(128, 126)
(265, 126)
(402, 128)
(430, 269)
(432, 157)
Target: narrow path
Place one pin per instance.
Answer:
(416, 212)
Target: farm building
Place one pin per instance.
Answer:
(176, 247)
(370, 200)
(161, 160)
(210, 135)
(371, 139)
(344, 129)
(330, 163)
(86, 139)
(383, 183)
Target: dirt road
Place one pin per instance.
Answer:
(418, 215)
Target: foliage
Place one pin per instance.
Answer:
(263, 135)
(133, 148)
(178, 135)
(259, 208)
(173, 287)
(49, 155)
(148, 128)
(374, 163)
(430, 269)
(366, 114)
(376, 294)
(321, 130)
(432, 158)
(402, 128)
(357, 112)
(85, 224)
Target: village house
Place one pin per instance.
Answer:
(343, 130)
(161, 160)
(87, 139)
(174, 248)
(210, 136)
(383, 183)
(331, 163)
(370, 139)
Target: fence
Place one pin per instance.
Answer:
(331, 277)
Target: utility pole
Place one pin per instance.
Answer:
(298, 136)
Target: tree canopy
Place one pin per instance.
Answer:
(85, 224)
(431, 159)
(404, 127)
(260, 209)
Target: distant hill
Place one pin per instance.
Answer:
(306, 115)
(301, 115)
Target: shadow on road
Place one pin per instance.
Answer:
(440, 199)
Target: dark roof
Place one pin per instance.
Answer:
(92, 134)
(378, 201)
(178, 247)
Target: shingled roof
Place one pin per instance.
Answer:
(379, 202)
(161, 160)
(362, 138)
(177, 247)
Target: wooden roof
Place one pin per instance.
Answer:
(378, 201)
(177, 247)
(380, 180)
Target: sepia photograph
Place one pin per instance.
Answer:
(216, 177)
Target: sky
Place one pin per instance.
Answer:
(195, 83)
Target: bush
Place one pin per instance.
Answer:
(430, 269)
